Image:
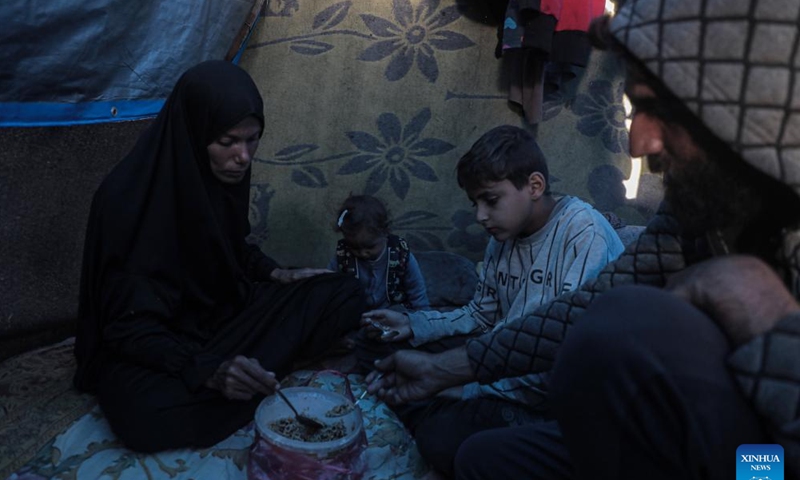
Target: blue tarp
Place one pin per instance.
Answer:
(87, 61)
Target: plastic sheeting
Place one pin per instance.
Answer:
(89, 61)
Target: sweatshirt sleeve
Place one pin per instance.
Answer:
(475, 317)
(414, 285)
(767, 369)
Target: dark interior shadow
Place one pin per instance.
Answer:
(487, 12)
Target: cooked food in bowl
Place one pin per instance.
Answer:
(290, 428)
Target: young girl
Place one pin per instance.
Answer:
(382, 262)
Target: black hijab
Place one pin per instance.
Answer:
(165, 237)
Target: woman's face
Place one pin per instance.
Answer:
(230, 154)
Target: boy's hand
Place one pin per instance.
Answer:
(386, 325)
(289, 275)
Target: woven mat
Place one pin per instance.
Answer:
(37, 401)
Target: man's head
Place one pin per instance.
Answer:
(706, 186)
(505, 175)
(714, 108)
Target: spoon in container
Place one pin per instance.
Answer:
(304, 420)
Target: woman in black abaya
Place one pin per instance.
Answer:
(183, 327)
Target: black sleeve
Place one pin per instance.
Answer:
(258, 266)
(137, 331)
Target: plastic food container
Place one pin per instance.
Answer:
(277, 457)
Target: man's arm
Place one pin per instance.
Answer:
(767, 369)
(741, 293)
(761, 317)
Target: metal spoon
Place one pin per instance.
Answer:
(364, 393)
(386, 331)
(304, 420)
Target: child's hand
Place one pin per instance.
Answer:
(289, 275)
(386, 325)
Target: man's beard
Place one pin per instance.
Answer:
(706, 195)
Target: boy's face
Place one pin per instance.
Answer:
(506, 212)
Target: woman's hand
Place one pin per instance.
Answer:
(741, 293)
(289, 275)
(241, 378)
(386, 325)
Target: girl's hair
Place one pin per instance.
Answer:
(360, 212)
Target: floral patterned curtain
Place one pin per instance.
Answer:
(383, 97)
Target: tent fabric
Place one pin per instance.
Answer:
(87, 61)
(383, 98)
